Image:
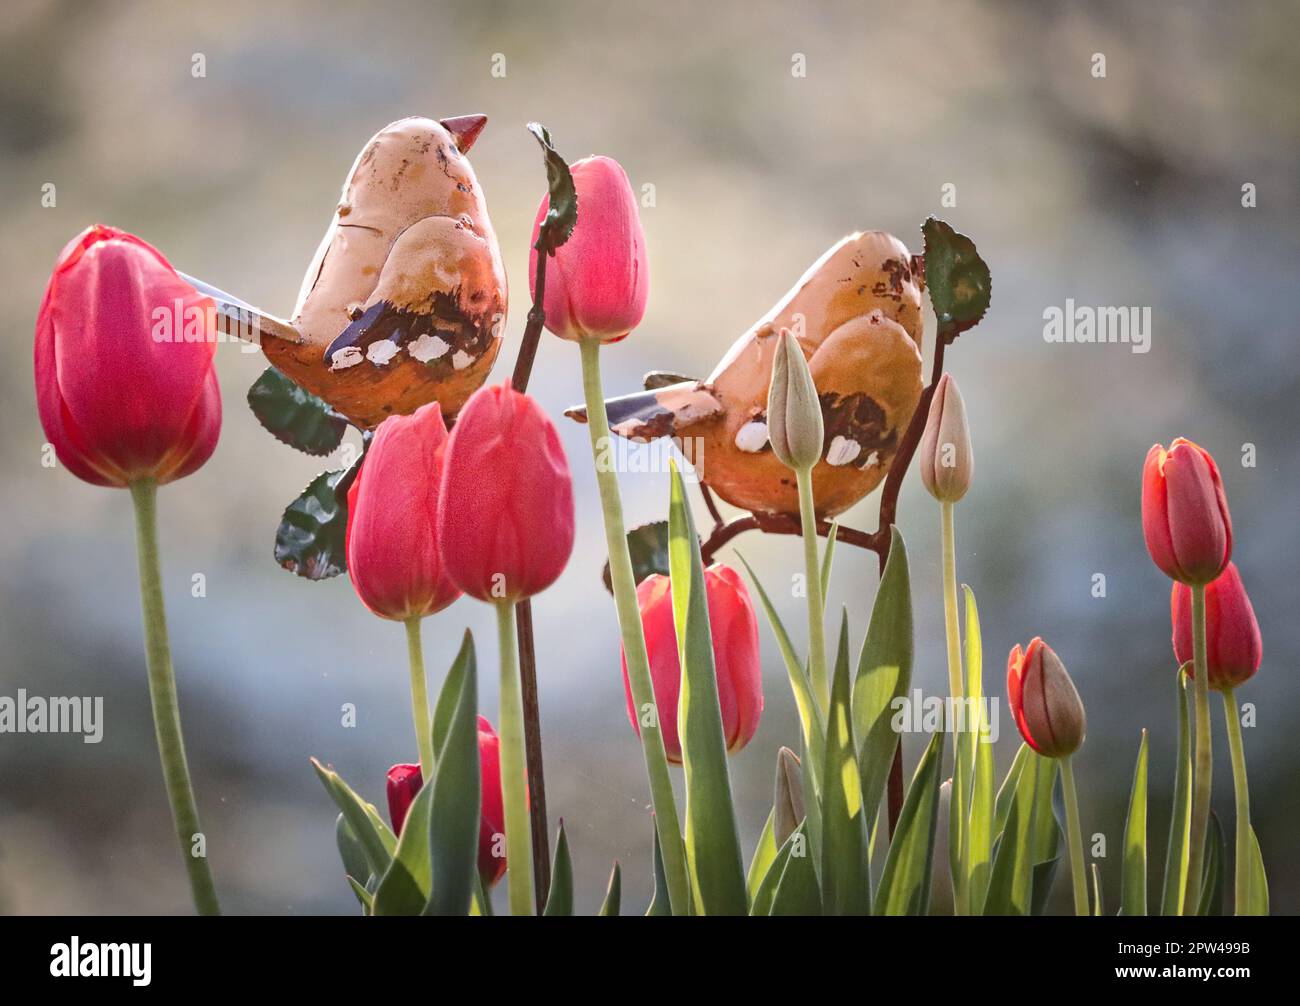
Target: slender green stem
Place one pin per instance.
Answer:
(955, 689)
(1075, 835)
(419, 698)
(1201, 775)
(816, 603)
(667, 825)
(1241, 885)
(514, 769)
(162, 694)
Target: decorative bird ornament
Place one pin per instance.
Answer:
(856, 314)
(405, 300)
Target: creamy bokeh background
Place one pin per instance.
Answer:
(1119, 191)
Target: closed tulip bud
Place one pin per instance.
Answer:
(794, 413)
(598, 282)
(125, 385)
(506, 523)
(787, 801)
(1185, 514)
(393, 505)
(736, 660)
(406, 781)
(1232, 641)
(944, 456)
(1044, 702)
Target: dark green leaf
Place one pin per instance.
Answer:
(311, 539)
(1133, 889)
(845, 875)
(613, 893)
(1180, 820)
(1214, 876)
(353, 855)
(648, 547)
(659, 903)
(560, 900)
(295, 416)
(1011, 884)
(905, 883)
(1046, 836)
(562, 214)
(452, 838)
(449, 698)
(956, 277)
(713, 856)
(657, 379)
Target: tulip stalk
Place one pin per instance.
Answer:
(514, 768)
(162, 696)
(419, 697)
(1204, 763)
(816, 602)
(1075, 836)
(953, 632)
(634, 647)
(1241, 883)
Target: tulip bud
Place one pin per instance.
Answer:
(944, 456)
(1232, 641)
(794, 413)
(787, 803)
(1044, 702)
(506, 522)
(598, 282)
(1185, 513)
(736, 660)
(124, 380)
(406, 781)
(392, 534)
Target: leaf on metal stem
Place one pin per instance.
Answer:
(647, 546)
(295, 416)
(562, 213)
(311, 540)
(956, 277)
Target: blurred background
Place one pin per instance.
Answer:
(1118, 191)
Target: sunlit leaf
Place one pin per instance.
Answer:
(1133, 889)
(905, 883)
(1011, 883)
(1257, 895)
(845, 875)
(797, 893)
(613, 892)
(404, 887)
(1180, 819)
(560, 900)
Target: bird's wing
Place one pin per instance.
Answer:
(663, 411)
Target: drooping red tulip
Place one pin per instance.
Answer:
(1185, 513)
(1232, 641)
(405, 782)
(506, 524)
(598, 282)
(1043, 700)
(125, 385)
(735, 656)
(392, 535)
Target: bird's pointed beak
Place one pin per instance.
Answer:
(464, 129)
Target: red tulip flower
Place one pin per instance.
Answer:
(506, 522)
(405, 782)
(598, 281)
(392, 536)
(125, 385)
(1185, 513)
(1044, 702)
(1232, 640)
(735, 657)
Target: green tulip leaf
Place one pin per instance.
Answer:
(451, 841)
(372, 834)
(884, 673)
(1011, 882)
(364, 896)
(562, 214)
(796, 892)
(648, 547)
(827, 556)
(713, 856)
(312, 538)
(977, 851)
(1180, 819)
(1045, 839)
(1257, 895)
(659, 902)
(905, 883)
(845, 874)
(1215, 875)
(956, 277)
(355, 864)
(560, 900)
(1098, 909)
(404, 887)
(295, 416)
(613, 892)
(1133, 889)
(764, 855)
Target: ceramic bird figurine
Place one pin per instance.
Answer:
(856, 314)
(404, 302)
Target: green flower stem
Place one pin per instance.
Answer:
(1201, 776)
(1075, 835)
(1242, 790)
(419, 698)
(955, 689)
(816, 603)
(667, 825)
(514, 768)
(162, 694)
